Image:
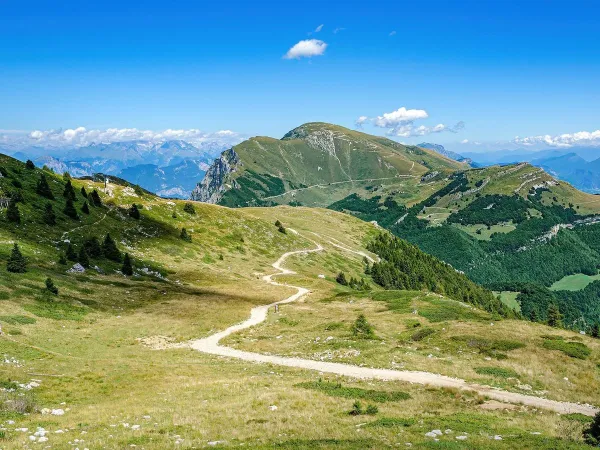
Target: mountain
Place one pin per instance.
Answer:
(582, 174)
(314, 164)
(447, 153)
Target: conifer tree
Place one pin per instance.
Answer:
(83, 257)
(62, 259)
(43, 188)
(110, 250)
(16, 262)
(189, 208)
(341, 279)
(71, 253)
(92, 247)
(83, 192)
(554, 316)
(362, 329)
(29, 165)
(12, 213)
(95, 198)
(134, 212)
(50, 287)
(70, 209)
(595, 331)
(85, 209)
(69, 192)
(17, 196)
(591, 435)
(49, 216)
(127, 268)
(185, 236)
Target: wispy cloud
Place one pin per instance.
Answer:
(583, 138)
(306, 49)
(319, 28)
(392, 33)
(338, 29)
(401, 122)
(81, 137)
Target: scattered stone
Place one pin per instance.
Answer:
(273, 408)
(461, 438)
(58, 412)
(77, 268)
(497, 438)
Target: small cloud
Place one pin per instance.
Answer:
(585, 138)
(361, 121)
(306, 49)
(338, 29)
(319, 28)
(393, 33)
(464, 141)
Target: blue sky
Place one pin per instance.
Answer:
(504, 68)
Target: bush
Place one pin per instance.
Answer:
(127, 268)
(591, 435)
(362, 329)
(497, 372)
(29, 165)
(185, 236)
(12, 212)
(371, 410)
(50, 287)
(422, 334)
(134, 212)
(573, 349)
(337, 390)
(17, 402)
(189, 208)
(341, 279)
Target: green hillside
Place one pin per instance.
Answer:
(315, 163)
(502, 225)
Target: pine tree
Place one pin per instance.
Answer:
(362, 329)
(83, 257)
(341, 279)
(71, 253)
(49, 216)
(127, 268)
(533, 315)
(17, 196)
(70, 210)
(69, 192)
(591, 435)
(16, 262)
(50, 287)
(189, 208)
(134, 212)
(595, 331)
(83, 192)
(110, 250)
(62, 259)
(12, 213)
(185, 236)
(43, 188)
(95, 198)
(85, 209)
(554, 316)
(92, 247)
(29, 165)
(281, 229)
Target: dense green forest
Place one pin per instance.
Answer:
(404, 266)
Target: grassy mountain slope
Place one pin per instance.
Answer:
(98, 350)
(315, 162)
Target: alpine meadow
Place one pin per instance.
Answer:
(318, 226)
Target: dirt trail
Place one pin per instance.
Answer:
(258, 314)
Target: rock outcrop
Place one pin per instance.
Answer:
(211, 188)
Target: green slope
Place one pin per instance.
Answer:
(314, 163)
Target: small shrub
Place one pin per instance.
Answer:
(497, 372)
(337, 390)
(19, 403)
(341, 279)
(356, 409)
(362, 329)
(17, 320)
(50, 287)
(134, 212)
(591, 435)
(422, 334)
(573, 349)
(333, 326)
(189, 208)
(371, 410)
(185, 236)
(288, 322)
(392, 422)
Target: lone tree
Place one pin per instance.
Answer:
(127, 268)
(85, 208)
(83, 192)
(12, 213)
(69, 192)
(95, 198)
(83, 257)
(16, 262)
(110, 250)
(591, 435)
(43, 188)
(189, 208)
(362, 329)
(134, 212)
(29, 165)
(49, 216)
(554, 316)
(185, 236)
(71, 253)
(341, 279)
(70, 210)
(50, 287)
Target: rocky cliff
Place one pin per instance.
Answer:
(211, 188)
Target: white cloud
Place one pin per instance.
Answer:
(306, 49)
(319, 28)
(464, 141)
(401, 123)
(338, 29)
(392, 33)
(583, 138)
(81, 137)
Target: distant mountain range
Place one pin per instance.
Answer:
(169, 169)
(447, 153)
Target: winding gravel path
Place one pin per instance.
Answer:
(258, 314)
